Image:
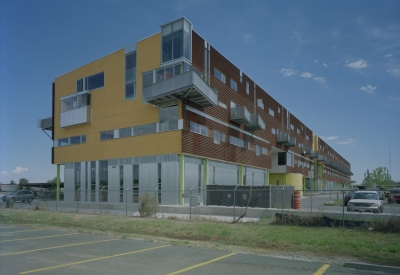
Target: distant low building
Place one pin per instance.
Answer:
(8, 187)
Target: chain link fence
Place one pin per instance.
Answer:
(281, 204)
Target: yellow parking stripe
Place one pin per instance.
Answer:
(14, 240)
(20, 231)
(201, 264)
(55, 247)
(322, 269)
(92, 260)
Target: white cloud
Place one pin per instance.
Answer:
(3, 173)
(306, 75)
(359, 64)
(325, 65)
(320, 79)
(19, 170)
(330, 138)
(347, 141)
(316, 61)
(388, 55)
(287, 72)
(369, 89)
(395, 72)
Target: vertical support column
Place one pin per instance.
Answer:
(241, 175)
(205, 171)
(266, 178)
(181, 178)
(285, 179)
(58, 182)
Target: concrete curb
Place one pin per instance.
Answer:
(373, 267)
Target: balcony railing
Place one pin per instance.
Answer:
(314, 154)
(75, 109)
(46, 123)
(256, 123)
(240, 114)
(285, 139)
(321, 158)
(337, 167)
(306, 150)
(187, 85)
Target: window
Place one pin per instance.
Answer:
(75, 102)
(70, 141)
(135, 183)
(176, 40)
(197, 128)
(145, 129)
(260, 103)
(257, 150)
(223, 137)
(125, 132)
(279, 110)
(77, 181)
(90, 83)
(291, 126)
(130, 76)
(216, 137)
(307, 138)
(264, 151)
(241, 77)
(236, 141)
(249, 145)
(298, 131)
(63, 141)
(282, 158)
(220, 76)
(271, 112)
(103, 180)
(273, 131)
(233, 84)
(107, 135)
(92, 181)
(247, 87)
(121, 183)
(168, 118)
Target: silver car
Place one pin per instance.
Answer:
(365, 201)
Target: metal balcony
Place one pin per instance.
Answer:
(45, 123)
(187, 85)
(285, 139)
(331, 164)
(314, 154)
(256, 123)
(240, 114)
(321, 158)
(306, 150)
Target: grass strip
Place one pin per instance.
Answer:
(261, 236)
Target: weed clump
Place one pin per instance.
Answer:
(148, 205)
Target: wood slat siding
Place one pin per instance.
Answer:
(196, 144)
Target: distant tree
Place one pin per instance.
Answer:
(12, 182)
(53, 180)
(22, 181)
(380, 177)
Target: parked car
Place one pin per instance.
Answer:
(365, 201)
(22, 195)
(394, 195)
(381, 193)
(348, 196)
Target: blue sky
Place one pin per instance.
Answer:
(333, 64)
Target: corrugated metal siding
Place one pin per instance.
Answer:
(170, 183)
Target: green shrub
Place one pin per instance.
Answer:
(148, 206)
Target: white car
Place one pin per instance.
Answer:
(365, 201)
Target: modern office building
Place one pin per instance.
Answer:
(171, 113)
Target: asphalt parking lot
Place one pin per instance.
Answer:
(26, 250)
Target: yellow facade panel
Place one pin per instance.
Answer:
(146, 145)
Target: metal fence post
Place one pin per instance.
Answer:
(343, 207)
(155, 202)
(57, 198)
(234, 203)
(77, 203)
(21, 197)
(311, 199)
(126, 201)
(283, 188)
